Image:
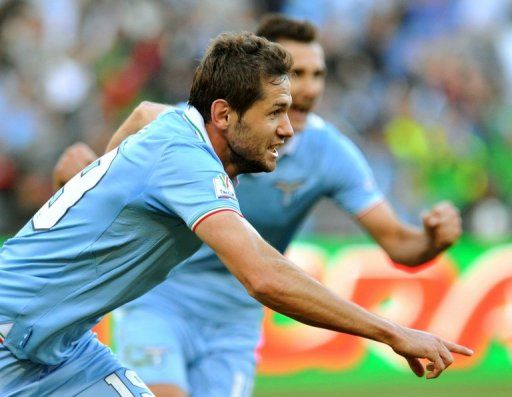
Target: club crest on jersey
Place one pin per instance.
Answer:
(288, 189)
(224, 187)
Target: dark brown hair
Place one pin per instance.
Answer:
(233, 68)
(275, 27)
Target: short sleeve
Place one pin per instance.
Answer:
(351, 182)
(190, 183)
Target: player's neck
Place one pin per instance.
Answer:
(222, 150)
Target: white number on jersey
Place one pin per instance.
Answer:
(55, 208)
(118, 385)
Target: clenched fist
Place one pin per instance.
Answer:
(443, 225)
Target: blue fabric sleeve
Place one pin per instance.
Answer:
(190, 183)
(351, 182)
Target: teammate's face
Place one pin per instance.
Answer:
(255, 137)
(307, 79)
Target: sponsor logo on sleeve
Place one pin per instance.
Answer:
(224, 187)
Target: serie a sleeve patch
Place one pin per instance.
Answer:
(224, 187)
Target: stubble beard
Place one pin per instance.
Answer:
(239, 153)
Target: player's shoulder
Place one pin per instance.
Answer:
(172, 125)
(174, 143)
(322, 133)
(173, 128)
(190, 138)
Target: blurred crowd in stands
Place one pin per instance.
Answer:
(424, 87)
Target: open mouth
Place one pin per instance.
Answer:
(274, 150)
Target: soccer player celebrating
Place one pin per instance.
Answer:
(197, 332)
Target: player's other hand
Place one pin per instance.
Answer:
(415, 345)
(74, 159)
(443, 225)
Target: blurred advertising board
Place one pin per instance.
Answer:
(464, 296)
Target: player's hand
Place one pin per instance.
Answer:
(414, 345)
(443, 225)
(74, 159)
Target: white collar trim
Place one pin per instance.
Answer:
(194, 118)
(196, 121)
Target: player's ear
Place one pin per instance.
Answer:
(220, 113)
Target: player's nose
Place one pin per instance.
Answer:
(311, 89)
(285, 129)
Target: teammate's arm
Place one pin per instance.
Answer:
(75, 158)
(407, 244)
(142, 115)
(79, 155)
(273, 280)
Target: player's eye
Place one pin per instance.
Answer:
(297, 73)
(320, 74)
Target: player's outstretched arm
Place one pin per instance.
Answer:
(141, 116)
(279, 284)
(407, 244)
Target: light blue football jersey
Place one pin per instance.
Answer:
(109, 235)
(318, 162)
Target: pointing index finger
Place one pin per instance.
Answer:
(455, 348)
